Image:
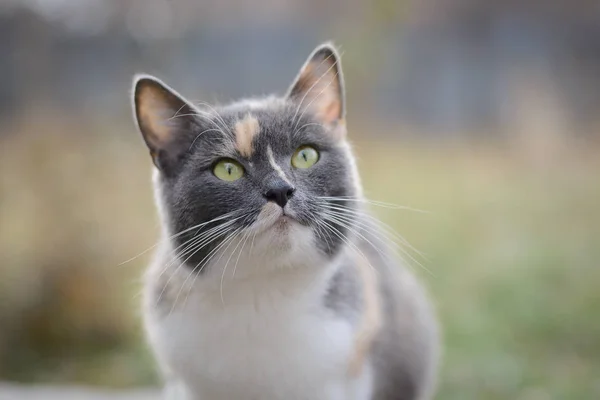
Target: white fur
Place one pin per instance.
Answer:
(262, 334)
(276, 166)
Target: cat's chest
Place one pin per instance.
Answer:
(248, 342)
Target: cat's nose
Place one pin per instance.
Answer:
(280, 193)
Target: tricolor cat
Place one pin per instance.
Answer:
(271, 280)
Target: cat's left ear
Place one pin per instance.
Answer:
(165, 119)
(320, 86)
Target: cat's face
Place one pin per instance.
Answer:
(256, 178)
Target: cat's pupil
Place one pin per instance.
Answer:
(304, 156)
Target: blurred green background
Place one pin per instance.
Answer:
(484, 114)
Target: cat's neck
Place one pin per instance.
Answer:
(244, 280)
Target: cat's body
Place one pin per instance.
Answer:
(294, 295)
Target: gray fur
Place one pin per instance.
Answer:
(404, 352)
(193, 195)
(344, 295)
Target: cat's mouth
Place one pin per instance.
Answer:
(274, 217)
(284, 220)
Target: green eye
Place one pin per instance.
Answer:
(228, 170)
(305, 157)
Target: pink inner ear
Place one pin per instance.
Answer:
(324, 96)
(155, 108)
(331, 111)
(319, 88)
(156, 118)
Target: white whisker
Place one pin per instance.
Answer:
(354, 217)
(317, 96)
(246, 237)
(217, 116)
(296, 131)
(225, 269)
(313, 85)
(200, 266)
(178, 234)
(202, 133)
(375, 203)
(199, 242)
(196, 241)
(347, 224)
(351, 245)
(378, 224)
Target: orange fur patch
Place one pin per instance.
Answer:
(371, 318)
(245, 131)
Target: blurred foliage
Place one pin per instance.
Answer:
(66, 307)
(514, 252)
(511, 240)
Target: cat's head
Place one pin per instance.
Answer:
(264, 177)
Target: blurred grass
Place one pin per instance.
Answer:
(515, 251)
(512, 240)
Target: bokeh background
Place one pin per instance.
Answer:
(485, 114)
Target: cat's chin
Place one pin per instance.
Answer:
(285, 241)
(280, 233)
(273, 220)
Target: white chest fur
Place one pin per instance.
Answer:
(260, 340)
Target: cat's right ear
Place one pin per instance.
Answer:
(165, 119)
(320, 86)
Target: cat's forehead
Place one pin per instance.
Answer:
(261, 114)
(254, 124)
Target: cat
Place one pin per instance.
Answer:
(272, 281)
